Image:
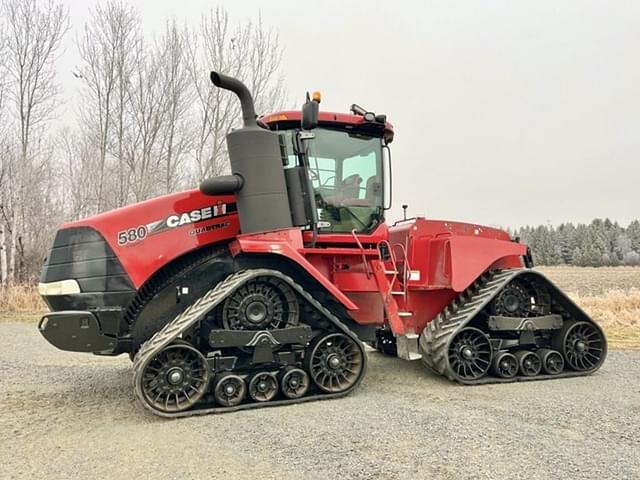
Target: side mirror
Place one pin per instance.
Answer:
(309, 115)
(387, 176)
(310, 112)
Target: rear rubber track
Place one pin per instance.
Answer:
(434, 340)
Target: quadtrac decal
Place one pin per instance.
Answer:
(138, 233)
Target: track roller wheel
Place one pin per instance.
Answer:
(335, 362)
(229, 390)
(552, 361)
(505, 365)
(582, 345)
(294, 383)
(175, 379)
(263, 386)
(469, 354)
(530, 364)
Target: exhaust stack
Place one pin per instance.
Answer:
(243, 93)
(257, 178)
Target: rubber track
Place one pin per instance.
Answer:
(198, 310)
(157, 283)
(434, 340)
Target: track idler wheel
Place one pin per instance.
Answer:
(583, 345)
(505, 365)
(552, 361)
(263, 386)
(335, 362)
(294, 383)
(469, 354)
(176, 379)
(529, 363)
(229, 390)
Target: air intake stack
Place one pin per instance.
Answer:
(257, 168)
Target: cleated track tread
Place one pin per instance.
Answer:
(434, 340)
(195, 312)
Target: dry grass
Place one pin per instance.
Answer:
(610, 295)
(20, 301)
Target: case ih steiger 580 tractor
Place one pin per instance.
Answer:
(262, 287)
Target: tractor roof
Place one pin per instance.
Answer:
(291, 119)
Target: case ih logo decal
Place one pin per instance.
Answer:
(139, 233)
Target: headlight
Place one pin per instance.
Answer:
(63, 287)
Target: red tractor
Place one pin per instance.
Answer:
(262, 287)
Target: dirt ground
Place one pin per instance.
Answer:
(66, 415)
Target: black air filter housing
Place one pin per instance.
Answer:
(255, 155)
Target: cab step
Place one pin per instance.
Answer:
(407, 346)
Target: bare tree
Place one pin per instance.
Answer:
(33, 34)
(248, 52)
(4, 161)
(109, 48)
(178, 95)
(148, 114)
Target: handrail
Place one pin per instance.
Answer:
(405, 267)
(367, 269)
(393, 265)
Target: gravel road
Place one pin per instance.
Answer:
(65, 415)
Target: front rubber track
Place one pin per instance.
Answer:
(198, 310)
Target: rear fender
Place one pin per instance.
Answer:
(467, 257)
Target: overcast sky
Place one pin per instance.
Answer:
(506, 112)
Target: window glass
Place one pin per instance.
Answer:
(345, 172)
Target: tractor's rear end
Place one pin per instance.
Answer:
(263, 287)
(497, 321)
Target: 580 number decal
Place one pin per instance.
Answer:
(132, 235)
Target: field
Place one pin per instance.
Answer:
(611, 295)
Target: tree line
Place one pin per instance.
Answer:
(145, 120)
(599, 243)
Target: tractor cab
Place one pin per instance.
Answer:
(346, 157)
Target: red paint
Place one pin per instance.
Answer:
(439, 258)
(142, 259)
(445, 257)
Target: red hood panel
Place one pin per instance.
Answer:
(146, 236)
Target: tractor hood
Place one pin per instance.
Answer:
(145, 236)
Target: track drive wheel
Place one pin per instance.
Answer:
(335, 362)
(176, 379)
(469, 354)
(261, 304)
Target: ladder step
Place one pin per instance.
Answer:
(390, 272)
(398, 293)
(405, 314)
